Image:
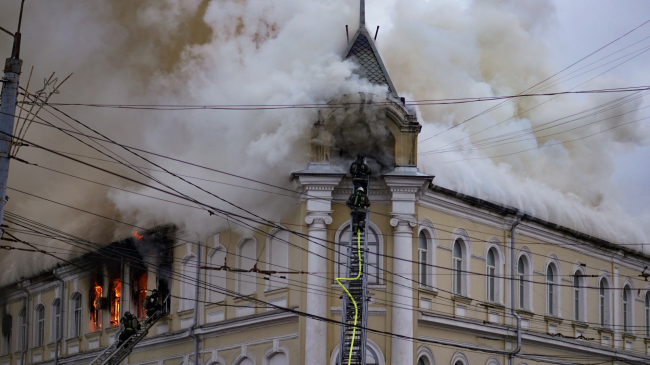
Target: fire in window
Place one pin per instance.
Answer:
(97, 303)
(139, 295)
(114, 298)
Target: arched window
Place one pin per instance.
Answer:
(603, 302)
(188, 282)
(22, 325)
(277, 258)
(423, 249)
(457, 281)
(628, 309)
(579, 296)
(246, 258)
(246, 361)
(551, 290)
(278, 358)
(647, 313)
(56, 319)
(423, 361)
(521, 277)
(75, 311)
(39, 325)
(491, 276)
(7, 329)
(374, 252)
(217, 278)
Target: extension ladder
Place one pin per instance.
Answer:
(359, 291)
(113, 355)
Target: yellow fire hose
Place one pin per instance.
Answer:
(356, 309)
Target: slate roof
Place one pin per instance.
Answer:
(362, 49)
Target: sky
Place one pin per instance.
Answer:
(290, 52)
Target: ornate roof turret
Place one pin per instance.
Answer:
(362, 49)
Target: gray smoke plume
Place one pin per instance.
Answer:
(211, 52)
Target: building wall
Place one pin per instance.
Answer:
(228, 332)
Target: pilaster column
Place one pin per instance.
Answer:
(406, 185)
(316, 330)
(317, 184)
(402, 350)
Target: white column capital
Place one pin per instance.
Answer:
(319, 217)
(403, 222)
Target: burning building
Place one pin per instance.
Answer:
(454, 279)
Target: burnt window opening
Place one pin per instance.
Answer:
(96, 303)
(114, 297)
(139, 294)
(7, 331)
(163, 291)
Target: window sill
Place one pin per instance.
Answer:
(111, 330)
(629, 336)
(428, 290)
(492, 305)
(525, 313)
(245, 298)
(275, 290)
(604, 330)
(370, 286)
(93, 335)
(553, 319)
(36, 348)
(579, 324)
(461, 299)
(186, 312)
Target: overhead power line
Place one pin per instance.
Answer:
(243, 107)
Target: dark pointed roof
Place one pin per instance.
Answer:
(362, 49)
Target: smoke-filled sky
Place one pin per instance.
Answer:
(290, 52)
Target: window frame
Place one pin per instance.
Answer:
(553, 288)
(427, 229)
(628, 308)
(276, 282)
(342, 237)
(187, 288)
(55, 314)
(647, 314)
(246, 278)
(6, 340)
(423, 254)
(39, 325)
(494, 274)
(604, 302)
(579, 295)
(218, 278)
(457, 266)
(22, 329)
(76, 314)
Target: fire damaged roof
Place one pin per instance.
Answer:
(508, 210)
(363, 51)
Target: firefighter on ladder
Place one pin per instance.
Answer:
(131, 325)
(360, 172)
(151, 304)
(358, 204)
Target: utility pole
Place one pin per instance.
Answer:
(8, 108)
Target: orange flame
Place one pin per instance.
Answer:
(137, 236)
(117, 285)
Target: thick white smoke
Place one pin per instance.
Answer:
(290, 52)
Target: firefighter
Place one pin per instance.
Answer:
(131, 325)
(360, 172)
(151, 304)
(358, 203)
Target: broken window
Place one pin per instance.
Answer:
(139, 294)
(96, 304)
(7, 329)
(115, 293)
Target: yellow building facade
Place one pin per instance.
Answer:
(453, 279)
